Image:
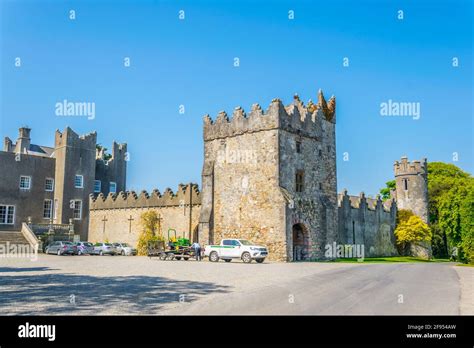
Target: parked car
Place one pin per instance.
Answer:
(124, 249)
(236, 249)
(84, 248)
(103, 249)
(61, 248)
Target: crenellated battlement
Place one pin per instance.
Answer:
(71, 138)
(405, 167)
(184, 196)
(119, 151)
(361, 201)
(296, 117)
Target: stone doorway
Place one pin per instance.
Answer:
(195, 237)
(300, 243)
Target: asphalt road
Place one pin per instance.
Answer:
(106, 285)
(418, 288)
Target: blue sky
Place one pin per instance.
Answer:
(190, 62)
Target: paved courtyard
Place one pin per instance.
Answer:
(137, 285)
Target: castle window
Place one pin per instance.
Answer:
(25, 182)
(329, 148)
(405, 184)
(97, 186)
(47, 208)
(49, 185)
(7, 213)
(320, 186)
(77, 210)
(79, 181)
(299, 181)
(320, 153)
(298, 146)
(113, 187)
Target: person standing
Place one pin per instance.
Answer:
(197, 250)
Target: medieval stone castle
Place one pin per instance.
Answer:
(268, 176)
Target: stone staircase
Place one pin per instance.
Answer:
(14, 237)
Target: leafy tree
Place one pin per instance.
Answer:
(451, 210)
(467, 224)
(107, 156)
(385, 192)
(403, 215)
(451, 205)
(151, 231)
(410, 229)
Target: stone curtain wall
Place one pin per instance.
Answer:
(173, 209)
(371, 221)
(117, 226)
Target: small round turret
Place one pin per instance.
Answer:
(412, 186)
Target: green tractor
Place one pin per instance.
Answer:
(178, 243)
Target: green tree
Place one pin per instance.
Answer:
(467, 224)
(451, 205)
(385, 192)
(107, 156)
(410, 229)
(150, 232)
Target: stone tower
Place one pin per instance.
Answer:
(112, 170)
(412, 186)
(270, 177)
(75, 156)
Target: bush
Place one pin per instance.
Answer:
(410, 229)
(151, 231)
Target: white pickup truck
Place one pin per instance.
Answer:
(236, 249)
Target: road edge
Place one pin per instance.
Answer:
(466, 282)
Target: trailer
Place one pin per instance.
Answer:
(177, 248)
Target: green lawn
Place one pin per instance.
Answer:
(390, 259)
(465, 264)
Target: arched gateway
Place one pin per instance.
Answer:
(300, 243)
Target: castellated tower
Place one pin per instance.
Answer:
(412, 186)
(114, 170)
(270, 177)
(75, 156)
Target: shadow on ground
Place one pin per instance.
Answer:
(24, 269)
(48, 294)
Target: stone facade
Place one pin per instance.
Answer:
(71, 155)
(368, 222)
(25, 202)
(271, 177)
(117, 217)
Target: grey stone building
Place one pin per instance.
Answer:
(52, 184)
(271, 177)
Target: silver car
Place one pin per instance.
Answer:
(61, 248)
(124, 249)
(103, 249)
(84, 248)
